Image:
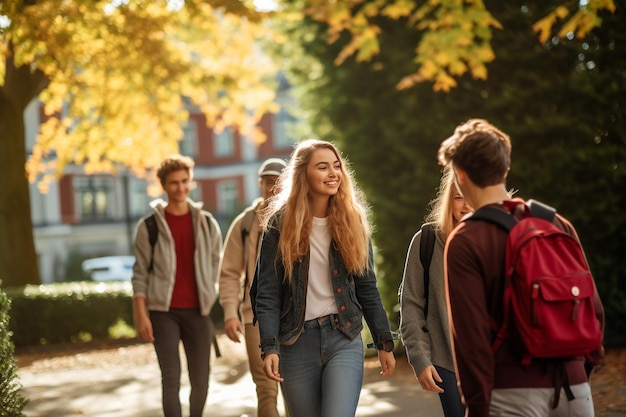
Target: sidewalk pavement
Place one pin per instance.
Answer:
(117, 388)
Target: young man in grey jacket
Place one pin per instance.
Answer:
(175, 284)
(236, 274)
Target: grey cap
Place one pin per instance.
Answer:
(272, 166)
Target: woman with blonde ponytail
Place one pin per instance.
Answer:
(315, 282)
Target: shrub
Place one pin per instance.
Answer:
(68, 312)
(73, 312)
(11, 402)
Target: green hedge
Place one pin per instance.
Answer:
(69, 312)
(11, 401)
(75, 312)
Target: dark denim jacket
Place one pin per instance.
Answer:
(280, 306)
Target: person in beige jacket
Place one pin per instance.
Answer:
(236, 274)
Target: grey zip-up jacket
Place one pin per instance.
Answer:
(157, 285)
(431, 347)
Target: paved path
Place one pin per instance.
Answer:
(128, 385)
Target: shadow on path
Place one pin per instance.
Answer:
(116, 386)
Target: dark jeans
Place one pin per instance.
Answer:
(196, 333)
(450, 398)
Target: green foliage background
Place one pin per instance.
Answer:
(562, 104)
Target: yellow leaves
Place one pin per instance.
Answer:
(117, 78)
(458, 68)
(459, 44)
(464, 40)
(364, 43)
(544, 26)
(606, 4)
(580, 24)
(461, 29)
(398, 9)
(561, 12)
(479, 72)
(428, 70)
(444, 82)
(583, 20)
(409, 81)
(452, 44)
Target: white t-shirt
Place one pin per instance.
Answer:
(320, 300)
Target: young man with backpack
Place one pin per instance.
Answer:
(175, 284)
(236, 274)
(526, 319)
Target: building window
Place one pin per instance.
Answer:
(139, 199)
(188, 144)
(93, 197)
(227, 197)
(224, 143)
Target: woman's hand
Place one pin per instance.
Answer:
(270, 366)
(387, 363)
(427, 379)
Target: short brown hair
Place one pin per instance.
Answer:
(480, 149)
(174, 163)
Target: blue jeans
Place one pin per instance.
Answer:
(450, 398)
(323, 371)
(196, 333)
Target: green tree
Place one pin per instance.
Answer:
(560, 101)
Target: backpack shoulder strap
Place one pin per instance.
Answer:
(494, 215)
(153, 235)
(246, 222)
(507, 222)
(153, 229)
(541, 210)
(427, 246)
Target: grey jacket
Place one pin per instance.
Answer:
(432, 347)
(158, 285)
(280, 305)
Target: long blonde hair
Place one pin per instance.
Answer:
(441, 212)
(291, 207)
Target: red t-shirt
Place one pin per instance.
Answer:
(185, 293)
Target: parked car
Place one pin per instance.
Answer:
(109, 268)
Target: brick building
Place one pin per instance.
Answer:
(85, 216)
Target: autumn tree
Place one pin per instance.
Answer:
(113, 77)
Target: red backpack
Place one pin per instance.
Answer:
(549, 289)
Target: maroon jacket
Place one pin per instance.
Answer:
(475, 255)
